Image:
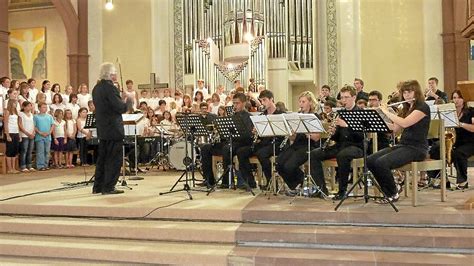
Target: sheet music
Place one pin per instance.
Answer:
(312, 123)
(261, 124)
(271, 125)
(279, 124)
(129, 130)
(434, 112)
(131, 117)
(294, 122)
(447, 112)
(304, 123)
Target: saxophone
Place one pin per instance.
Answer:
(450, 138)
(328, 141)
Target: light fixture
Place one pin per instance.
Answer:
(209, 40)
(109, 5)
(230, 66)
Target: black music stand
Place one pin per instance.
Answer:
(131, 121)
(190, 124)
(89, 124)
(230, 128)
(229, 110)
(364, 121)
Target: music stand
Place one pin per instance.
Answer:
(89, 124)
(306, 124)
(193, 125)
(130, 122)
(271, 126)
(230, 128)
(364, 121)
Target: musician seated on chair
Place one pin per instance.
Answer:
(348, 146)
(262, 147)
(291, 158)
(463, 147)
(414, 118)
(223, 147)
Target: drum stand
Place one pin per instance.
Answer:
(160, 158)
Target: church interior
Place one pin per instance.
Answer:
(256, 132)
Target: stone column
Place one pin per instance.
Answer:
(4, 50)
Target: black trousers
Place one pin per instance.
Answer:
(109, 161)
(344, 157)
(382, 162)
(289, 162)
(459, 156)
(209, 150)
(263, 153)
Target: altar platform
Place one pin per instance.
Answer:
(227, 227)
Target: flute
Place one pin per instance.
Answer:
(398, 103)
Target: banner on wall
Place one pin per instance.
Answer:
(28, 53)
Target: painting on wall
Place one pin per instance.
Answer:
(28, 53)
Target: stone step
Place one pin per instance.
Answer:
(390, 237)
(294, 256)
(113, 250)
(203, 232)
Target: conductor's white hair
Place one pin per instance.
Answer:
(106, 70)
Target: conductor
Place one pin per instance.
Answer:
(110, 131)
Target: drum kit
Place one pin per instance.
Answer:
(169, 147)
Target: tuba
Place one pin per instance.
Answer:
(450, 138)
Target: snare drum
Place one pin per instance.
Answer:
(177, 153)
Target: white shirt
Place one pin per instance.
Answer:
(13, 124)
(70, 126)
(53, 107)
(80, 124)
(132, 95)
(65, 98)
(147, 100)
(74, 109)
(59, 129)
(21, 99)
(18, 107)
(49, 97)
(215, 109)
(3, 92)
(179, 102)
(83, 99)
(28, 124)
(168, 100)
(33, 93)
(153, 102)
(222, 97)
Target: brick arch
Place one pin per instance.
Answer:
(76, 30)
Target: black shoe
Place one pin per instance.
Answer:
(96, 191)
(114, 191)
(340, 195)
(224, 186)
(462, 186)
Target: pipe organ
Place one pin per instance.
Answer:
(279, 28)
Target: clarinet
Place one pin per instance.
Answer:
(333, 124)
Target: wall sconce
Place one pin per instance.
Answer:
(109, 5)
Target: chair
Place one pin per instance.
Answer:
(356, 164)
(253, 160)
(436, 131)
